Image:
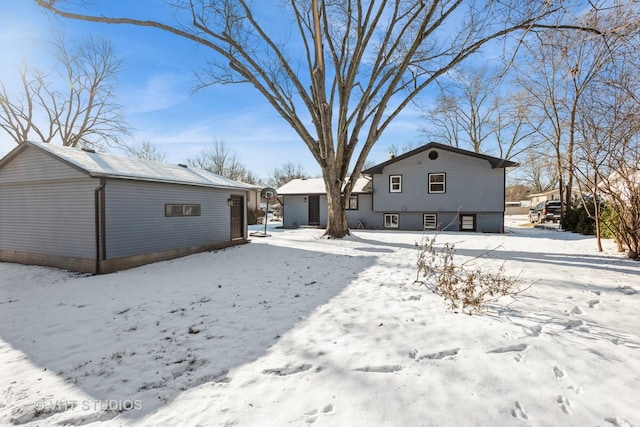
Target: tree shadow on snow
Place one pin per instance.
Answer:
(149, 333)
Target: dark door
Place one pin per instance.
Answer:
(237, 217)
(314, 210)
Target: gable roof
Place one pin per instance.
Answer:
(494, 161)
(103, 165)
(316, 186)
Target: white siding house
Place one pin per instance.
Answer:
(92, 212)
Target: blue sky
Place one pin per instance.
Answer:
(155, 89)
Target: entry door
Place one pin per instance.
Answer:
(237, 217)
(314, 210)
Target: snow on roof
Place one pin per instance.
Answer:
(316, 186)
(111, 166)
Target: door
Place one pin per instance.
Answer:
(314, 210)
(237, 217)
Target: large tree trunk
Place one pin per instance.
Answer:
(337, 225)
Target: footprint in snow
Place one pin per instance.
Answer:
(314, 415)
(518, 411)
(558, 372)
(533, 331)
(564, 403)
(288, 370)
(384, 369)
(594, 303)
(617, 422)
(519, 347)
(440, 355)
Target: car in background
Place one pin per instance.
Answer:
(547, 210)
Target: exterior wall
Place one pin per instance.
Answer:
(295, 211)
(32, 165)
(47, 208)
(471, 185)
(136, 224)
(364, 214)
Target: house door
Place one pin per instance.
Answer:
(237, 217)
(467, 222)
(314, 210)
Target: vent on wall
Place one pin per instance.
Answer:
(88, 150)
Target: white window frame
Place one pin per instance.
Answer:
(431, 223)
(389, 222)
(443, 183)
(398, 184)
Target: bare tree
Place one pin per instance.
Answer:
(146, 150)
(538, 171)
(464, 109)
(608, 156)
(221, 160)
(395, 149)
(73, 103)
(561, 69)
(350, 66)
(286, 173)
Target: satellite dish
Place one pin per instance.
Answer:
(268, 193)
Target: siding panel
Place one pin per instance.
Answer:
(471, 185)
(136, 222)
(34, 165)
(54, 218)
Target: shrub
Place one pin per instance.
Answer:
(463, 288)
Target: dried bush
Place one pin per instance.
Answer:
(463, 287)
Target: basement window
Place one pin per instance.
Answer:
(181, 210)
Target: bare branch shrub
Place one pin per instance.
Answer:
(464, 288)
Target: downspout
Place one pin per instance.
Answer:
(504, 197)
(100, 224)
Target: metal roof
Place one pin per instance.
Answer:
(104, 165)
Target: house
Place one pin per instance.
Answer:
(304, 203)
(98, 213)
(551, 195)
(435, 187)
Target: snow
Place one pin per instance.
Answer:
(317, 186)
(109, 165)
(294, 329)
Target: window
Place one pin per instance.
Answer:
(352, 205)
(468, 222)
(391, 220)
(430, 221)
(395, 183)
(437, 183)
(181, 210)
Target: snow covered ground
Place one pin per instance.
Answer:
(297, 330)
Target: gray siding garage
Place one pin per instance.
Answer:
(97, 213)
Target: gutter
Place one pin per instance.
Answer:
(100, 224)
